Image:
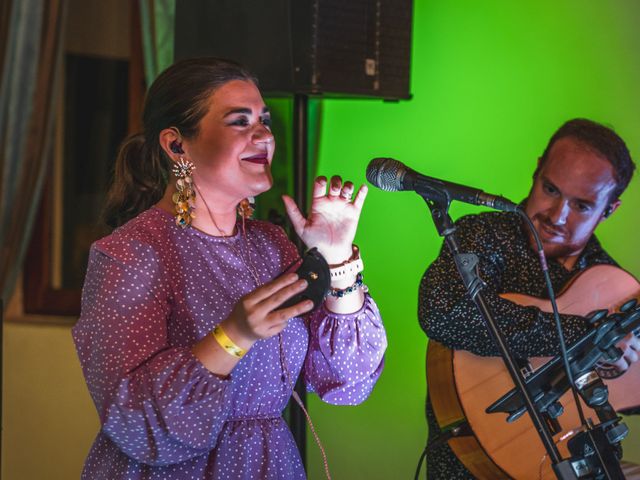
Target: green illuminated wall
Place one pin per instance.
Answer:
(491, 81)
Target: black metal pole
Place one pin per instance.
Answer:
(467, 267)
(300, 188)
(1, 377)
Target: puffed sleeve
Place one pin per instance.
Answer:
(346, 353)
(157, 403)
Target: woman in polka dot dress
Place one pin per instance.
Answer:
(186, 351)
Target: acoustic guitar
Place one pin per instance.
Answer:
(462, 385)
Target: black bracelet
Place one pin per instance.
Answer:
(339, 293)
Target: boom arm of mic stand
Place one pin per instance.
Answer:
(467, 267)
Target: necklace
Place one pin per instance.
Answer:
(247, 262)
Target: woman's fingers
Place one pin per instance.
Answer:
(360, 196)
(273, 301)
(335, 186)
(270, 288)
(279, 317)
(337, 189)
(275, 318)
(347, 190)
(295, 215)
(319, 187)
(257, 313)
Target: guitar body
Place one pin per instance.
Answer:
(462, 385)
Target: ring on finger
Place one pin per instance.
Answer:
(346, 194)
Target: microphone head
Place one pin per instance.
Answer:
(386, 174)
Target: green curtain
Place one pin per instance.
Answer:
(157, 18)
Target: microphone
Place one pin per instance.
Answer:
(393, 176)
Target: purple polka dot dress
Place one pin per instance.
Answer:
(152, 290)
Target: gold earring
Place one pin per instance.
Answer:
(246, 207)
(245, 210)
(185, 198)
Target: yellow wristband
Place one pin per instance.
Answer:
(226, 343)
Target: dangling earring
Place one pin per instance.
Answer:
(246, 208)
(185, 198)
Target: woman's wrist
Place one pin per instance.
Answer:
(341, 291)
(343, 282)
(228, 345)
(233, 333)
(336, 255)
(345, 273)
(346, 278)
(348, 299)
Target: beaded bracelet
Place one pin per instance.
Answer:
(341, 292)
(226, 343)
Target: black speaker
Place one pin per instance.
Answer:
(335, 48)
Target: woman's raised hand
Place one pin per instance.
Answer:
(333, 218)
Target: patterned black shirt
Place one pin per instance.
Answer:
(507, 263)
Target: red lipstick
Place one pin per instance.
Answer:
(260, 159)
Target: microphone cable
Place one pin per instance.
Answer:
(556, 315)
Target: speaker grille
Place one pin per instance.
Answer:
(363, 45)
(331, 47)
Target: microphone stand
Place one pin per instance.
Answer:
(467, 265)
(597, 448)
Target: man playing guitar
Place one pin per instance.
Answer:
(577, 184)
